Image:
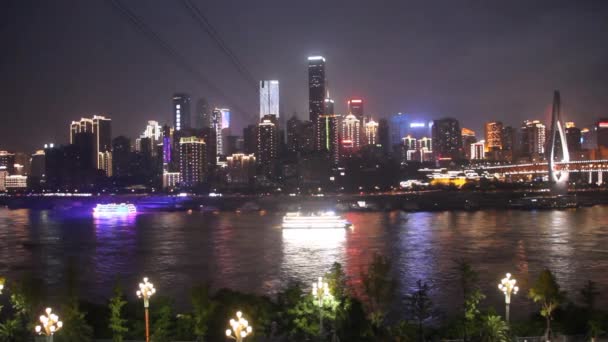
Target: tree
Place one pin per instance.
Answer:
(117, 324)
(547, 293)
(162, 324)
(9, 330)
(471, 295)
(75, 327)
(203, 307)
(494, 329)
(420, 306)
(590, 293)
(379, 287)
(336, 279)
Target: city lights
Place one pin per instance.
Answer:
(324, 220)
(114, 209)
(321, 294)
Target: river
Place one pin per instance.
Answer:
(249, 252)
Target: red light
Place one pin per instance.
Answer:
(603, 124)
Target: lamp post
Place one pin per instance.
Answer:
(1, 284)
(50, 324)
(320, 292)
(508, 287)
(146, 290)
(240, 328)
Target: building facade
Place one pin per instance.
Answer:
(181, 111)
(191, 161)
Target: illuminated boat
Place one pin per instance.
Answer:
(114, 209)
(324, 220)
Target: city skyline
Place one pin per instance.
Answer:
(506, 79)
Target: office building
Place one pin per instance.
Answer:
(355, 107)
(478, 150)
(171, 179)
(269, 98)
(316, 87)
(121, 156)
(37, 164)
(250, 139)
(7, 162)
(371, 132)
(100, 128)
(152, 138)
(384, 136)
(202, 116)
(399, 128)
(468, 138)
(220, 122)
(240, 169)
(351, 131)
(191, 161)
(573, 137)
(494, 139)
(533, 140)
(267, 146)
(601, 133)
(328, 106)
(447, 139)
(181, 111)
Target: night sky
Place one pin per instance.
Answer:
(472, 60)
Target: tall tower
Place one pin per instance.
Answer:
(316, 86)
(355, 107)
(558, 177)
(447, 138)
(191, 161)
(267, 145)
(269, 98)
(493, 135)
(181, 111)
(351, 131)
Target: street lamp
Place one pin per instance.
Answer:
(508, 287)
(146, 290)
(50, 324)
(1, 284)
(320, 292)
(240, 328)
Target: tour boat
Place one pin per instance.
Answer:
(323, 220)
(115, 209)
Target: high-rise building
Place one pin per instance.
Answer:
(101, 129)
(573, 137)
(384, 139)
(601, 133)
(7, 162)
(250, 139)
(191, 161)
(152, 137)
(202, 118)
(37, 164)
(533, 139)
(220, 122)
(240, 168)
(351, 131)
(447, 139)
(399, 126)
(494, 130)
(121, 156)
(316, 87)
(588, 139)
(328, 132)
(269, 98)
(181, 111)
(371, 132)
(355, 107)
(328, 106)
(468, 138)
(267, 151)
(300, 135)
(409, 149)
(478, 150)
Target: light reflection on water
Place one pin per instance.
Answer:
(249, 252)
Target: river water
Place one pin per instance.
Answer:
(249, 252)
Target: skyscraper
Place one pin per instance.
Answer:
(316, 86)
(7, 162)
(478, 150)
(371, 132)
(181, 111)
(351, 131)
(240, 168)
(355, 107)
(152, 136)
(468, 138)
(384, 139)
(300, 135)
(267, 150)
(601, 133)
(121, 157)
(447, 139)
(202, 117)
(191, 161)
(399, 126)
(328, 136)
(101, 129)
(269, 98)
(533, 139)
(573, 137)
(220, 122)
(493, 130)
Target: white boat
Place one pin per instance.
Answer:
(114, 209)
(323, 220)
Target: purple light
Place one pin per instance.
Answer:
(114, 209)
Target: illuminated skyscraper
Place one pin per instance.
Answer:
(181, 111)
(101, 129)
(371, 132)
(269, 98)
(447, 139)
(355, 107)
(399, 126)
(351, 131)
(191, 161)
(240, 168)
(468, 139)
(152, 136)
(316, 87)
(533, 139)
(493, 132)
(573, 137)
(220, 122)
(267, 150)
(328, 136)
(478, 150)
